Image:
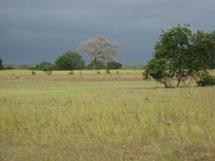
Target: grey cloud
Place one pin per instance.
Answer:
(32, 31)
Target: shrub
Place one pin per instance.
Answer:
(70, 61)
(33, 72)
(96, 65)
(10, 67)
(46, 67)
(1, 64)
(71, 72)
(206, 80)
(114, 65)
(108, 71)
(145, 76)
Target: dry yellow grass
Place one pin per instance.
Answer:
(104, 121)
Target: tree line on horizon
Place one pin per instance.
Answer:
(179, 54)
(102, 51)
(73, 61)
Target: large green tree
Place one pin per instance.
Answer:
(180, 54)
(70, 61)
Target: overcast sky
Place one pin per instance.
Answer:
(35, 30)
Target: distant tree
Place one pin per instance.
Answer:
(180, 54)
(10, 67)
(114, 65)
(25, 66)
(126, 66)
(1, 64)
(47, 67)
(70, 61)
(96, 65)
(100, 49)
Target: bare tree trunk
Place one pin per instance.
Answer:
(94, 63)
(179, 81)
(166, 86)
(164, 82)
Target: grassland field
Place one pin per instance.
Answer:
(103, 117)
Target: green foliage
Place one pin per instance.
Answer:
(71, 72)
(174, 47)
(159, 69)
(1, 64)
(212, 56)
(47, 67)
(70, 61)
(80, 73)
(9, 67)
(180, 53)
(25, 66)
(114, 65)
(108, 71)
(204, 49)
(206, 80)
(132, 67)
(33, 72)
(96, 65)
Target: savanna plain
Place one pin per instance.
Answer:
(94, 116)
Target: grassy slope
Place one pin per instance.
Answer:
(105, 121)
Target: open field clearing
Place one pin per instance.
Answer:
(83, 75)
(100, 120)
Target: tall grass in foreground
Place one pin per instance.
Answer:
(105, 121)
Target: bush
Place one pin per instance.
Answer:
(145, 76)
(158, 69)
(33, 72)
(10, 67)
(114, 65)
(96, 65)
(206, 80)
(71, 72)
(46, 67)
(70, 61)
(80, 73)
(1, 64)
(108, 71)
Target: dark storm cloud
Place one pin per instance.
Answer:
(32, 31)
